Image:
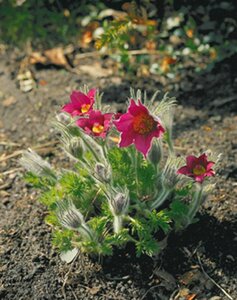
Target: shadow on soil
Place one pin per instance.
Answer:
(210, 237)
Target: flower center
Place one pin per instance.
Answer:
(97, 128)
(143, 123)
(85, 108)
(199, 170)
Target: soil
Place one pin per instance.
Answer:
(199, 263)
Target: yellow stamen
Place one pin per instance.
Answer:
(85, 108)
(114, 139)
(199, 170)
(98, 128)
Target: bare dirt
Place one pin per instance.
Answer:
(199, 263)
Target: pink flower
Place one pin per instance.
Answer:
(139, 127)
(97, 124)
(80, 103)
(197, 167)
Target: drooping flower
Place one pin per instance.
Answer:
(81, 103)
(138, 126)
(97, 124)
(197, 167)
(119, 201)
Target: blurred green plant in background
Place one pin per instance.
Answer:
(143, 37)
(43, 23)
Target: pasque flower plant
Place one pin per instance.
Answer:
(126, 184)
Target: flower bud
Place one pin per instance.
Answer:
(71, 218)
(63, 118)
(169, 175)
(103, 172)
(34, 163)
(68, 215)
(74, 147)
(155, 154)
(119, 202)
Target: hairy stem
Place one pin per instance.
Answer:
(91, 149)
(169, 141)
(118, 220)
(161, 198)
(84, 230)
(196, 203)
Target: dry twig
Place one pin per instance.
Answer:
(212, 280)
(47, 147)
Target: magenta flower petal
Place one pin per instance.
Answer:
(138, 127)
(203, 158)
(82, 122)
(69, 108)
(135, 109)
(143, 144)
(191, 160)
(184, 170)
(210, 173)
(78, 97)
(126, 139)
(209, 165)
(199, 178)
(124, 122)
(91, 94)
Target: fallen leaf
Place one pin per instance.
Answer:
(143, 71)
(190, 276)
(43, 82)
(165, 275)
(150, 45)
(95, 70)
(213, 53)
(56, 56)
(4, 194)
(66, 13)
(184, 292)
(191, 297)
(37, 57)
(206, 128)
(190, 33)
(68, 256)
(9, 101)
(86, 38)
(95, 289)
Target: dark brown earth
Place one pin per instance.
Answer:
(199, 263)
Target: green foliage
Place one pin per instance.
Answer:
(41, 182)
(50, 197)
(62, 239)
(160, 220)
(178, 213)
(42, 22)
(149, 247)
(115, 35)
(146, 174)
(121, 167)
(52, 219)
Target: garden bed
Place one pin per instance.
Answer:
(194, 263)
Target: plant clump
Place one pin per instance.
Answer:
(126, 184)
